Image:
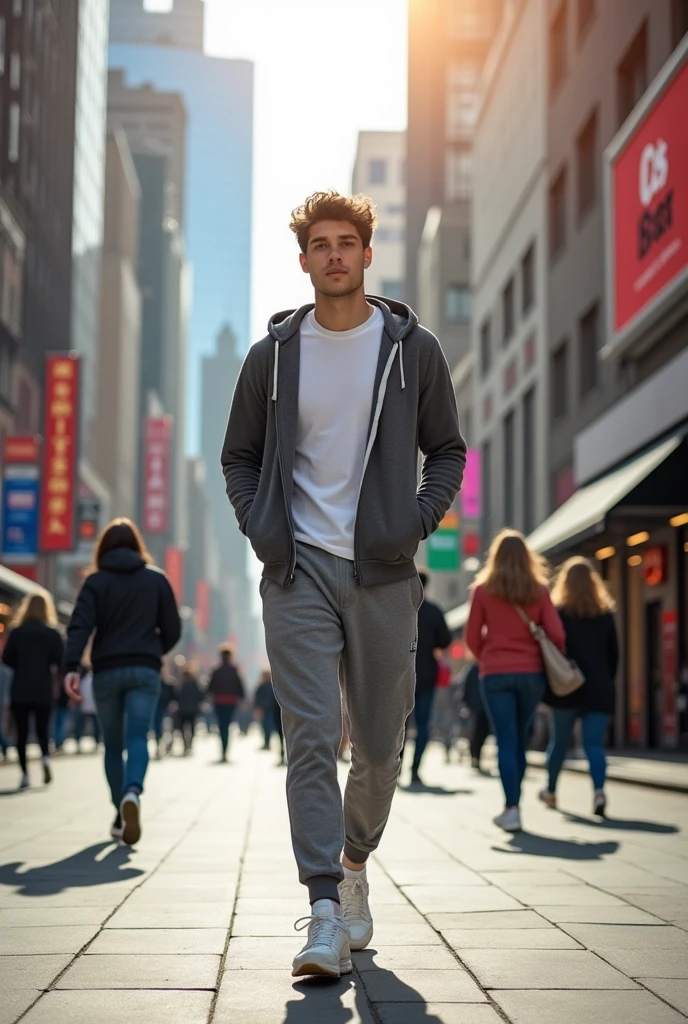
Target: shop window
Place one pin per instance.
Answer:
(586, 159)
(560, 375)
(529, 461)
(458, 304)
(508, 319)
(509, 432)
(557, 214)
(528, 279)
(485, 347)
(589, 350)
(631, 74)
(679, 21)
(586, 13)
(557, 48)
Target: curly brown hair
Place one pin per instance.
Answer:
(358, 211)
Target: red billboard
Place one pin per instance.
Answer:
(174, 570)
(647, 177)
(60, 456)
(203, 605)
(22, 448)
(156, 474)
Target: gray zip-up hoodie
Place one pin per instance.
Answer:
(413, 408)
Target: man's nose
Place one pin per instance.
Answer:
(335, 255)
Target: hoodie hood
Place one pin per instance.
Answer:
(122, 560)
(398, 317)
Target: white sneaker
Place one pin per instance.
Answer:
(353, 893)
(550, 799)
(600, 803)
(509, 819)
(327, 950)
(47, 774)
(25, 781)
(130, 809)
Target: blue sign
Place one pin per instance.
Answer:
(20, 515)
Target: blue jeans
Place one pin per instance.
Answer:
(126, 699)
(511, 701)
(61, 719)
(594, 730)
(421, 713)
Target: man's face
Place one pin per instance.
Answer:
(335, 258)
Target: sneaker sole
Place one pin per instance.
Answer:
(131, 822)
(357, 945)
(313, 969)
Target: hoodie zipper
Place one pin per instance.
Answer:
(292, 540)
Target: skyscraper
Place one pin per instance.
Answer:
(160, 22)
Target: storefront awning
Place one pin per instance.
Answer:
(584, 514)
(458, 617)
(18, 584)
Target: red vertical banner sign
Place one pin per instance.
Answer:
(156, 474)
(203, 605)
(60, 429)
(174, 569)
(669, 675)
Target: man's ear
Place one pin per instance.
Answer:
(367, 257)
(304, 262)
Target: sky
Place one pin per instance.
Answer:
(324, 71)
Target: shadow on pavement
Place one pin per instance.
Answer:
(321, 1000)
(626, 825)
(82, 869)
(544, 846)
(435, 790)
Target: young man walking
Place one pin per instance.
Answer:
(320, 460)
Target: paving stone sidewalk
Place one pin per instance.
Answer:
(572, 920)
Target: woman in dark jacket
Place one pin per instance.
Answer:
(130, 606)
(189, 700)
(33, 650)
(586, 610)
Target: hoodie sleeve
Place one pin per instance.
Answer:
(9, 655)
(169, 623)
(242, 451)
(81, 625)
(440, 441)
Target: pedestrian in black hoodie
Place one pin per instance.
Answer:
(130, 605)
(227, 690)
(33, 650)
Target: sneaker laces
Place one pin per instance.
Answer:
(324, 930)
(353, 895)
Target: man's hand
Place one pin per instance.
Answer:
(72, 685)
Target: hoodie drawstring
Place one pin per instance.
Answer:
(274, 387)
(401, 363)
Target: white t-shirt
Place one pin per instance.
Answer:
(336, 382)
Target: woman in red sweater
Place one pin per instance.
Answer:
(511, 669)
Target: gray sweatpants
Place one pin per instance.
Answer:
(322, 633)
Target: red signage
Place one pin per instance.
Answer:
(655, 565)
(60, 429)
(669, 665)
(203, 605)
(22, 448)
(649, 189)
(174, 570)
(156, 474)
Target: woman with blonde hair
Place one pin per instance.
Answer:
(128, 606)
(586, 609)
(513, 580)
(33, 650)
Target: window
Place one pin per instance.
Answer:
(589, 345)
(529, 461)
(485, 348)
(377, 172)
(508, 311)
(15, 71)
(390, 234)
(528, 279)
(631, 74)
(17, 8)
(457, 304)
(13, 144)
(462, 100)
(560, 375)
(486, 479)
(459, 175)
(586, 12)
(396, 208)
(586, 158)
(679, 21)
(557, 214)
(393, 290)
(557, 48)
(509, 467)
(2, 46)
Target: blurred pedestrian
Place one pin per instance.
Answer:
(433, 640)
(586, 609)
(34, 651)
(226, 687)
(511, 666)
(166, 706)
(320, 461)
(130, 605)
(189, 700)
(86, 709)
(5, 686)
(63, 715)
(480, 723)
(269, 711)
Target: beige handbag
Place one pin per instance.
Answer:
(563, 675)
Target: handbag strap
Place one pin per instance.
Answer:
(535, 631)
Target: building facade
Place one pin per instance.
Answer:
(379, 172)
(158, 22)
